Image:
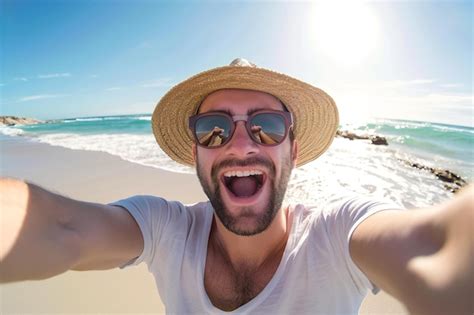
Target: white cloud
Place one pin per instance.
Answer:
(54, 75)
(391, 84)
(163, 82)
(419, 81)
(423, 99)
(448, 98)
(451, 85)
(114, 88)
(93, 76)
(404, 100)
(21, 79)
(432, 99)
(404, 83)
(144, 104)
(39, 97)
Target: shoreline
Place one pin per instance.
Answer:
(452, 181)
(43, 169)
(102, 177)
(444, 161)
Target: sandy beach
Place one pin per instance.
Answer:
(101, 177)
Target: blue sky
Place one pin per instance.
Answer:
(404, 59)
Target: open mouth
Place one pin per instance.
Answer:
(243, 184)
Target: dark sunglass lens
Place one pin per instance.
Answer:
(212, 131)
(268, 128)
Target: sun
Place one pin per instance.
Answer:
(345, 31)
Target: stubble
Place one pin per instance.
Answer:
(272, 206)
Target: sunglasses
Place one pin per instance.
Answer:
(265, 127)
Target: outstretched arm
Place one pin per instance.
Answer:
(424, 258)
(45, 234)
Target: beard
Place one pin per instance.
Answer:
(272, 206)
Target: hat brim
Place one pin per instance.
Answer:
(315, 113)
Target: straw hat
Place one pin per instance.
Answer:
(314, 112)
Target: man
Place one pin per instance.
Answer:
(243, 251)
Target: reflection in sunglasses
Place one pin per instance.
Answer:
(260, 136)
(212, 130)
(213, 137)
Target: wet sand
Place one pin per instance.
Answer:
(101, 177)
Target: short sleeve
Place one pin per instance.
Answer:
(341, 220)
(156, 217)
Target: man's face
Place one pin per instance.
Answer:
(245, 204)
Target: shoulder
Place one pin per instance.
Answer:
(163, 222)
(355, 208)
(342, 213)
(157, 209)
(156, 203)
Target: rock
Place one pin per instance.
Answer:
(379, 140)
(13, 120)
(451, 188)
(350, 135)
(416, 165)
(452, 182)
(444, 175)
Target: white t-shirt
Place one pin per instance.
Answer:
(316, 274)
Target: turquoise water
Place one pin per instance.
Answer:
(454, 142)
(449, 141)
(133, 124)
(356, 166)
(426, 139)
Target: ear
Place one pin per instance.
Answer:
(194, 153)
(294, 152)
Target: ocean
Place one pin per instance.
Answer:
(348, 167)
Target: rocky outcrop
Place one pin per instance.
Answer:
(350, 135)
(13, 120)
(377, 140)
(452, 181)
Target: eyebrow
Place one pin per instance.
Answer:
(253, 110)
(230, 113)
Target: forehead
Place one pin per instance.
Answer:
(239, 101)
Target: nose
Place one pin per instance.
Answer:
(241, 145)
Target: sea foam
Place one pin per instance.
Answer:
(347, 167)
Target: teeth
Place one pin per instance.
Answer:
(242, 173)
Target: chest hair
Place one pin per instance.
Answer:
(230, 287)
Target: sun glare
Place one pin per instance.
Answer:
(345, 31)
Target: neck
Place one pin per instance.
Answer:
(251, 251)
